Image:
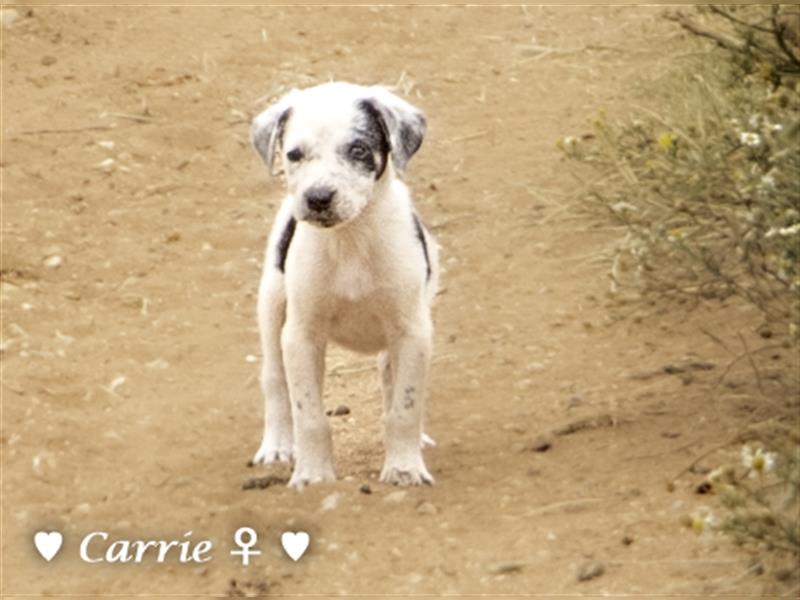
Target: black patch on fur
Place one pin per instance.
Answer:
(421, 238)
(281, 126)
(283, 243)
(359, 152)
(411, 135)
(265, 142)
(408, 397)
(375, 134)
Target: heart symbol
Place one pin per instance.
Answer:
(295, 544)
(48, 544)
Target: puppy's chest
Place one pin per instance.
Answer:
(362, 309)
(354, 282)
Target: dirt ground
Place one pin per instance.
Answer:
(130, 398)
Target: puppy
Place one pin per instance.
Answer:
(347, 260)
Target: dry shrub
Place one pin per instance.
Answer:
(706, 181)
(707, 178)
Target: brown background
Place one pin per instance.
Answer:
(161, 257)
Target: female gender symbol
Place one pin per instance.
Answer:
(245, 552)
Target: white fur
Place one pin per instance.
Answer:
(362, 283)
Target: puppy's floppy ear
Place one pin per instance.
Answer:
(404, 123)
(266, 131)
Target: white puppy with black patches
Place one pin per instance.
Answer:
(347, 260)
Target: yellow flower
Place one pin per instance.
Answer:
(667, 140)
(676, 234)
(758, 462)
(702, 520)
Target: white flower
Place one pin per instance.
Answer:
(776, 128)
(570, 141)
(750, 139)
(768, 181)
(716, 474)
(622, 206)
(758, 462)
(783, 231)
(702, 520)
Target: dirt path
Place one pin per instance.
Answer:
(129, 401)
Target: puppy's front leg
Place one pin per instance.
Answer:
(404, 464)
(276, 445)
(304, 358)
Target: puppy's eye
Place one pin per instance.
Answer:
(358, 151)
(295, 155)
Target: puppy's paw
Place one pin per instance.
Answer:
(306, 474)
(406, 474)
(273, 450)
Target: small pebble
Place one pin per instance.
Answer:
(395, 497)
(365, 489)
(262, 483)
(505, 568)
(117, 382)
(105, 165)
(590, 570)
(540, 444)
(426, 508)
(703, 488)
(627, 540)
(330, 502)
(53, 262)
(339, 411)
(158, 363)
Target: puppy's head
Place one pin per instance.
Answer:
(337, 142)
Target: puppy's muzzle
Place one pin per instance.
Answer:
(319, 200)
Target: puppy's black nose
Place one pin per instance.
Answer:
(319, 198)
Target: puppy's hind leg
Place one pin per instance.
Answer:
(276, 445)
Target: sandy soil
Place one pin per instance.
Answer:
(130, 401)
